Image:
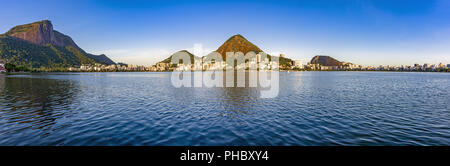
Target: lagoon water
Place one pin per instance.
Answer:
(312, 108)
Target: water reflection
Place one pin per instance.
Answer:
(234, 102)
(239, 101)
(35, 103)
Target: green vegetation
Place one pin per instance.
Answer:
(58, 53)
(325, 61)
(82, 58)
(285, 62)
(13, 68)
(26, 27)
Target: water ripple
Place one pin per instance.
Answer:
(313, 108)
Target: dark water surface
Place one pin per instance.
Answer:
(313, 108)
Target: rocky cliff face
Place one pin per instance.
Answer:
(325, 61)
(41, 33)
(39, 45)
(237, 43)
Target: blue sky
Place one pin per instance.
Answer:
(367, 32)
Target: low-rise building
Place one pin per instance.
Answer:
(161, 66)
(326, 67)
(350, 66)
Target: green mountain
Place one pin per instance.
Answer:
(325, 61)
(37, 45)
(237, 43)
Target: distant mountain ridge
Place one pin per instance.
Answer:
(39, 45)
(41, 33)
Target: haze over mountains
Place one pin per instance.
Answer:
(39, 45)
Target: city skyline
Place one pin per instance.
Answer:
(369, 33)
